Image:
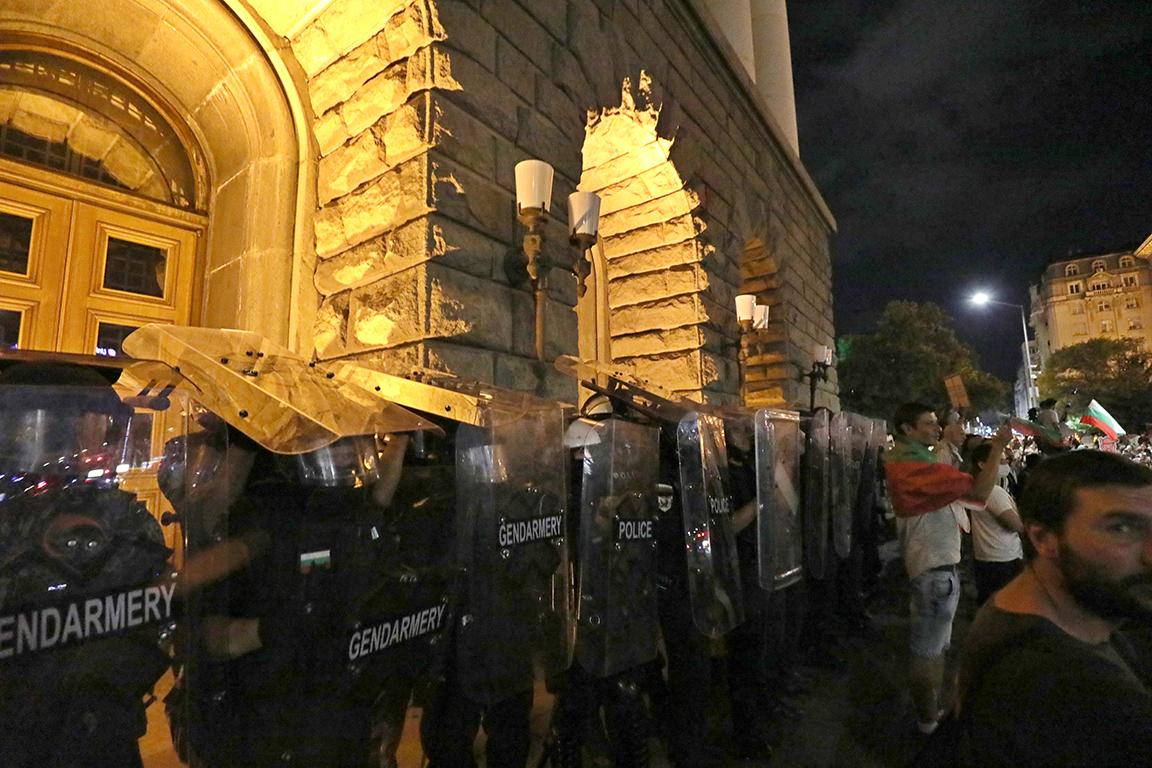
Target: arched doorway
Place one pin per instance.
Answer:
(99, 228)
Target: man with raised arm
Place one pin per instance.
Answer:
(922, 488)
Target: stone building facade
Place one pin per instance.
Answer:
(1092, 295)
(338, 176)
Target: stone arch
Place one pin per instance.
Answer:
(651, 245)
(212, 65)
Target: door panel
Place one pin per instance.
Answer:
(125, 271)
(34, 236)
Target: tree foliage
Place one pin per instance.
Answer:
(907, 358)
(1114, 372)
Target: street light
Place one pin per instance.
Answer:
(981, 299)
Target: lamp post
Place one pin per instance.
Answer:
(980, 299)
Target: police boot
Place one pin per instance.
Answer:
(628, 725)
(568, 728)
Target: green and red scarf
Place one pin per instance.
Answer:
(918, 482)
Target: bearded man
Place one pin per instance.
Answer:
(1048, 677)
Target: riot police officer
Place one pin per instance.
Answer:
(79, 650)
(614, 481)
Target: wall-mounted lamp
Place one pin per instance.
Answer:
(745, 311)
(533, 203)
(821, 362)
(760, 319)
(583, 224)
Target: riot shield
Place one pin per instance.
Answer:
(618, 624)
(817, 494)
(713, 569)
(864, 454)
(87, 583)
(779, 537)
(283, 402)
(515, 611)
(843, 481)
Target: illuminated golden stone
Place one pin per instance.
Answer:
(674, 281)
(651, 243)
(678, 232)
(650, 212)
(337, 83)
(328, 332)
(637, 160)
(341, 26)
(399, 196)
(403, 248)
(668, 340)
(660, 257)
(657, 314)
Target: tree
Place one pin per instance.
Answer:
(907, 358)
(1114, 372)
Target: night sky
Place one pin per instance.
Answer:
(963, 144)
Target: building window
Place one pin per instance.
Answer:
(1080, 329)
(1098, 265)
(1131, 302)
(1071, 270)
(1077, 308)
(1107, 326)
(1074, 288)
(1127, 261)
(1100, 285)
(1103, 305)
(1130, 281)
(1135, 325)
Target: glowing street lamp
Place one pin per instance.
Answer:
(981, 299)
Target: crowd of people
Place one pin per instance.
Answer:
(1056, 668)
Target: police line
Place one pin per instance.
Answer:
(71, 622)
(389, 632)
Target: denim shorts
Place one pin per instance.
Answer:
(935, 595)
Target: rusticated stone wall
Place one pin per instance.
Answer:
(423, 108)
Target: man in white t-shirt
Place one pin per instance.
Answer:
(996, 529)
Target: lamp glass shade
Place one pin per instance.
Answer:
(584, 213)
(760, 317)
(822, 354)
(533, 185)
(745, 307)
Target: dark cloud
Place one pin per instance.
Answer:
(963, 143)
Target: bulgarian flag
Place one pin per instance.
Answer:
(1039, 431)
(918, 483)
(1097, 417)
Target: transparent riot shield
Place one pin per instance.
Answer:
(88, 549)
(779, 537)
(843, 480)
(272, 395)
(516, 607)
(713, 569)
(312, 612)
(618, 624)
(817, 494)
(864, 463)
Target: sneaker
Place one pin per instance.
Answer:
(927, 728)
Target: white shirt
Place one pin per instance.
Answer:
(991, 541)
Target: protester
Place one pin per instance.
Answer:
(922, 489)
(1047, 680)
(996, 530)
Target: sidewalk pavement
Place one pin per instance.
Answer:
(854, 710)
